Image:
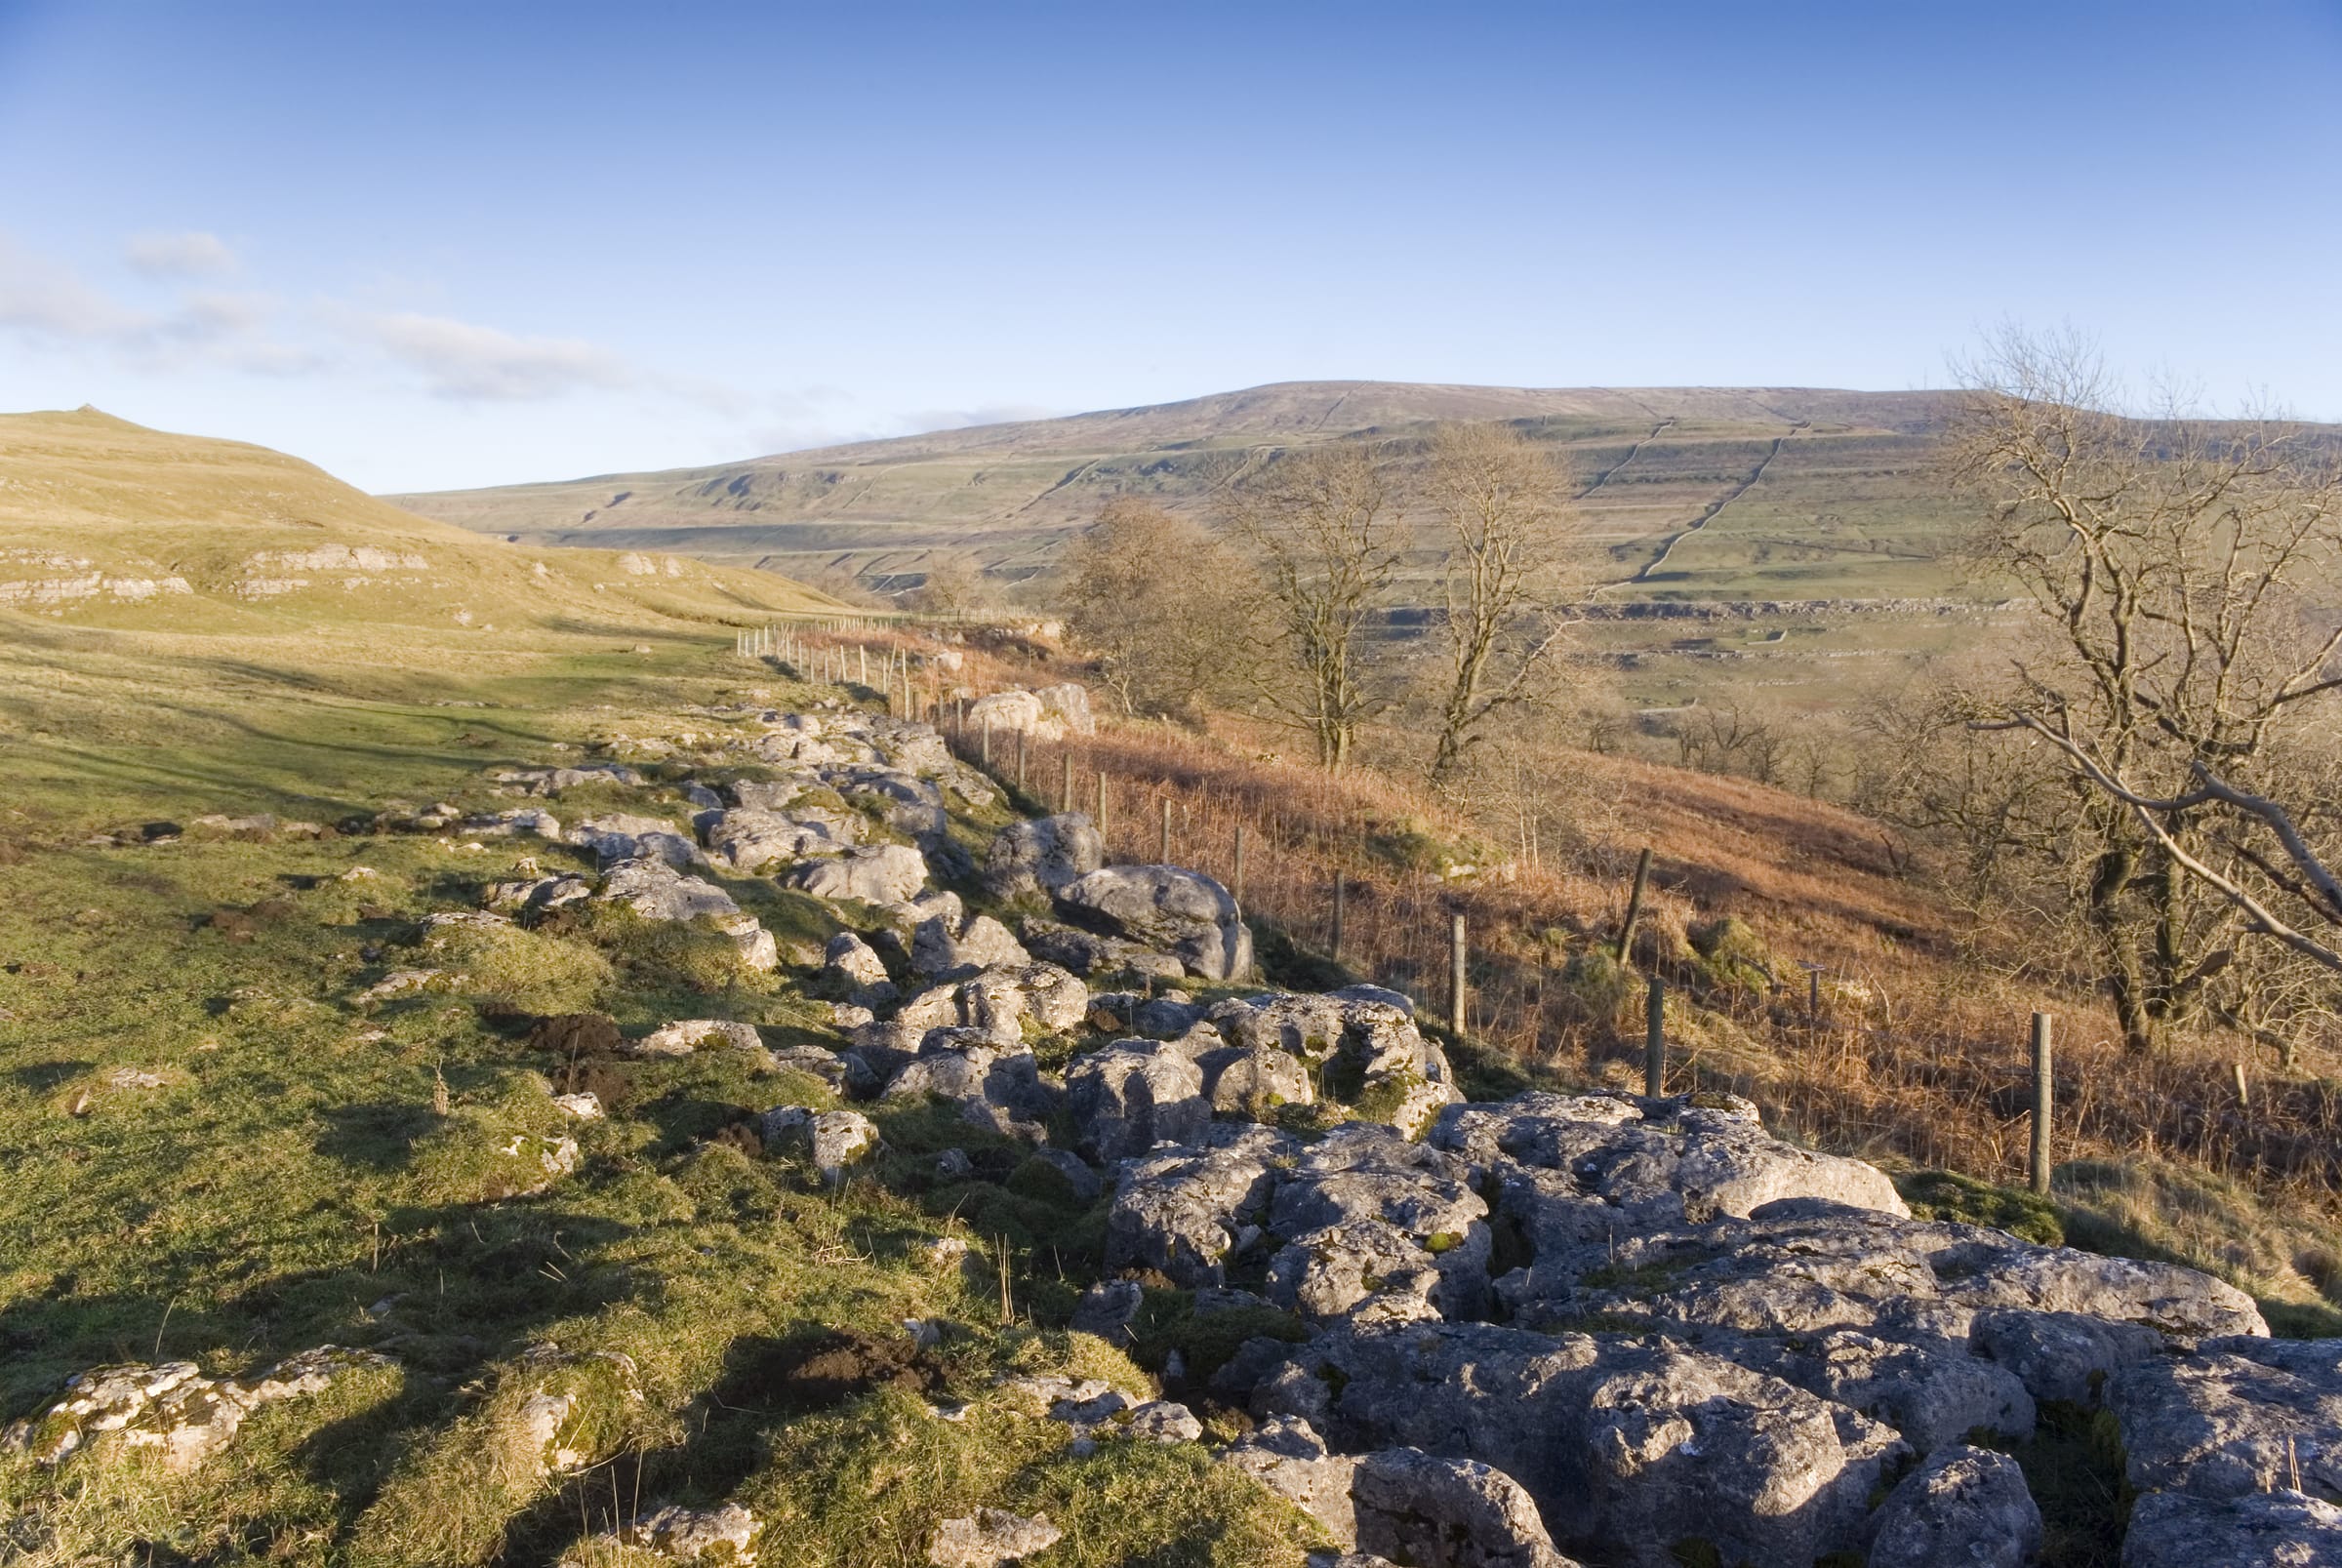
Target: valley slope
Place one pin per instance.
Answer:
(1780, 531)
(1824, 486)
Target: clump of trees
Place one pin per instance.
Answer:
(954, 585)
(1168, 607)
(1285, 603)
(2156, 760)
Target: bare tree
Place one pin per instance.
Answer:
(954, 585)
(1324, 528)
(2186, 577)
(1924, 765)
(1505, 524)
(1166, 605)
(1731, 740)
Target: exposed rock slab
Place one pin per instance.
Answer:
(2241, 1415)
(1166, 907)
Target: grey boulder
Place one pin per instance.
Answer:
(853, 968)
(1167, 908)
(627, 836)
(836, 1140)
(1966, 1508)
(2258, 1529)
(1042, 854)
(1006, 1003)
(878, 873)
(2061, 1356)
(1107, 1309)
(1368, 1215)
(1285, 1455)
(656, 891)
(1640, 1452)
(945, 948)
(1181, 1212)
(1089, 954)
(1134, 1095)
(750, 840)
(1253, 1083)
(1440, 1513)
(2238, 1416)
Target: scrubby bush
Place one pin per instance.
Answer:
(1732, 958)
(1595, 989)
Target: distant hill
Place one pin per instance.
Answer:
(108, 522)
(1824, 488)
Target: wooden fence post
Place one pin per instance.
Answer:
(1341, 892)
(2041, 1103)
(1457, 957)
(1654, 1041)
(1022, 732)
(1102, 807)
(988, 742)
(1065, 786)
(1164, 838)
(1626, 927)
(1237, 888)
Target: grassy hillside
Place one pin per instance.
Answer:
(1837, 499)
(1792, 536)
(1799, 494)
(105, 523)
(223, 1151)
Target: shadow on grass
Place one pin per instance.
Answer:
(378, 1138)
(457, 1285)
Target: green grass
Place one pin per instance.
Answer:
(1964, 1200)
(290, 1181)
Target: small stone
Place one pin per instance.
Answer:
(1162, 1421)
(1106, 1309)
(838, 1138)
(686, 1035)
(690, 1534)
(990, 1537)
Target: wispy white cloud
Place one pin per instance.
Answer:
(187, 254)
(464, 361)
(183, 319)
(46, 299)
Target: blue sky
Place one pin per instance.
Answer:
(431, 245)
